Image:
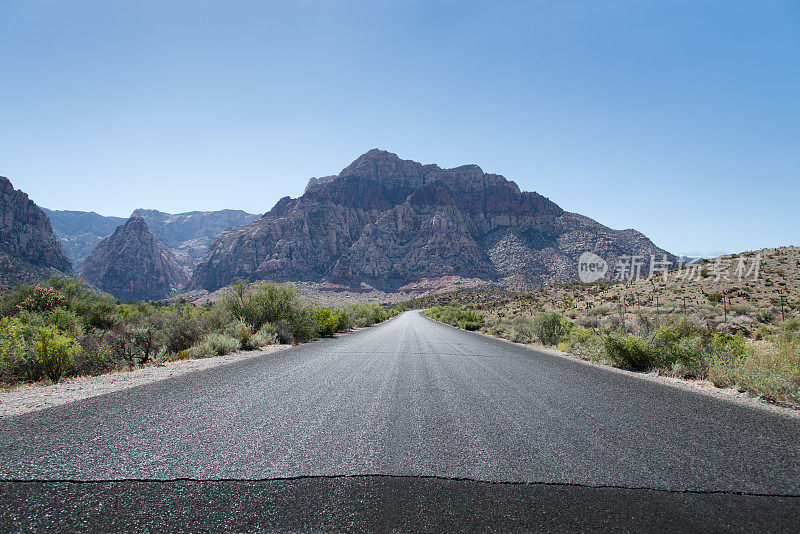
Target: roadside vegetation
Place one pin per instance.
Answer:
(679, 347)
(743, 334)
(63, 328)
(466, 319)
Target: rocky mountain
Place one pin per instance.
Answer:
(189, 234)
(186, 234)
(132, 264)
(80, 231)
(29, 250)
(391, 223)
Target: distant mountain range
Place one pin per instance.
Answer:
(382, 223)
(187, 235)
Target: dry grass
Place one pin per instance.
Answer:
(772, 369)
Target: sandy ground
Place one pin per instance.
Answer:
(40, 397)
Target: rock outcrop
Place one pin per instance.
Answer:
(389, 222)
(30, 248)
(132, 264)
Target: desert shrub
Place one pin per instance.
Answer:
(266, 304)
(549, 328)
(790, 329)
(303, 325)
(96, 311)
(54, 351)
(628, 351)
(324, 320)
(582, 342)
(181, 331)
(599, 311)
(589, 322)
(521, 330)
(265, 336)
(14, 361)
(725, 354)
(763, 332)
(41, 299)
(283, 329)
(67, 321)
(242, 332)
(466, 319)
(677, 343)
(342, 319)
(496, 327)
(96, 356)
(146, 336)
(362, 315)
(215, 344)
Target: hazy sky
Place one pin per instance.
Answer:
(680, 119)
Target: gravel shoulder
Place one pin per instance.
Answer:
(35, 398)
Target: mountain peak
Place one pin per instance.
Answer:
(388, 222)
(132, 264)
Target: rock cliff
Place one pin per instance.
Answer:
(29, 247)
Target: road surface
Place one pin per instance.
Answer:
(411, 425)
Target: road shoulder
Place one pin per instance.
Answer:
(31, 399)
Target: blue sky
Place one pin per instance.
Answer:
(680, 119)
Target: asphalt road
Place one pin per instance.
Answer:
(514, 438)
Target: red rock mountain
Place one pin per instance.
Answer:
(132, 264)
(389, 222)
(29, 250)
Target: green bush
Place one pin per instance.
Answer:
(678, 343)
(466, 319)
(772, 370)
(583, 342)
(96, 356)
(181, 330)
(242, 332)
(14, 365)
(303, 325)
(54, 351)
(362, 315)
(629, 351)
(521, 330)
(266, 303)
(549, 328)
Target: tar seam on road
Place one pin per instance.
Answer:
(379, 475)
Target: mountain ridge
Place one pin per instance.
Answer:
(389, 222)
